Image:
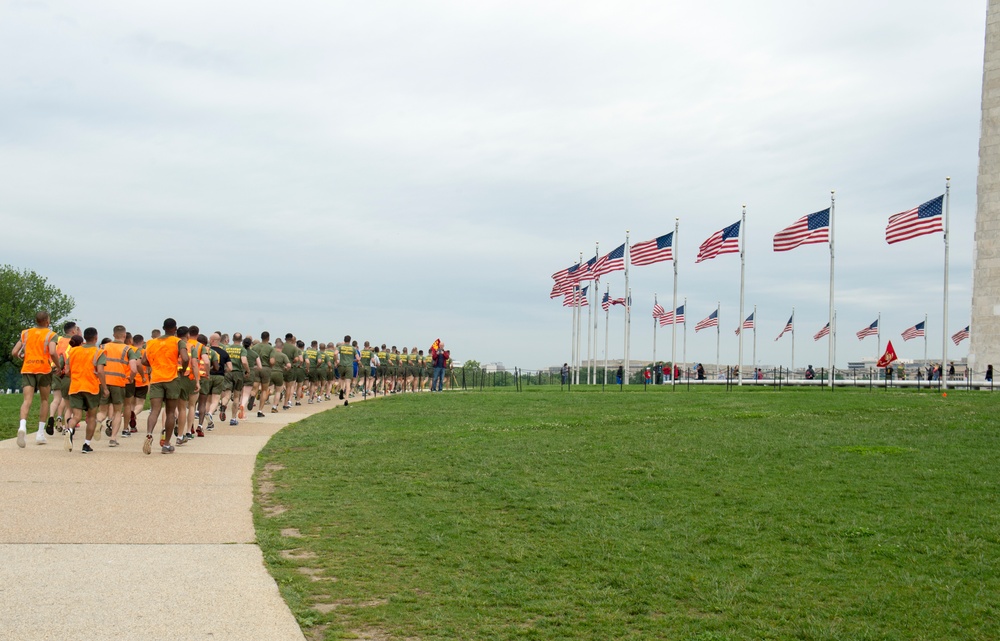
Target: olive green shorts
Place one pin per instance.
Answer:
(116, 396)
(36, 381)
(313, 375)
(217, 384)
(129, 390)
(141, 392)
(187, 387)
(84, 401)
(66, 381)
(205, 386)
(56, 383)
(234, 379)
(300, 375)
(277, 377)
(346, 371)
(169, 390)
(265, 376)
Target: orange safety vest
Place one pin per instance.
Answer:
(162, 355)
(196, 352)
(116, 369)
(83, 371)
(36, 350)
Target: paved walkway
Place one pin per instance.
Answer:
(120, 545)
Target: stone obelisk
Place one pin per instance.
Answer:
(984, 340)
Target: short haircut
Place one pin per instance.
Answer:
(42, 317)
(154, 334)
(347, 339)
(193, 330)
(119, 330)
(90, 334)
(315, 343)
(264, 336)
(137, 339)
(203, 339)
(237, 337)
(68, 327)
(105, 340)
(169, 323)
(289, 336)
(300, 344)
(182, 331)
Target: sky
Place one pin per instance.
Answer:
(404, 171)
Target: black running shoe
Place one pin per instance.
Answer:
(86, 449)
(341, 394)
(50, 426)
(107, 430)
(250, 403)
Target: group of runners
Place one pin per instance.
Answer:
(189, 378)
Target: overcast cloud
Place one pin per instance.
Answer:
(403, 171)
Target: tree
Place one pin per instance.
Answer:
(471, 364)
(22, 294)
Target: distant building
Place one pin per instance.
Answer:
(494, 367)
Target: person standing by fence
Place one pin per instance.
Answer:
(440, 363)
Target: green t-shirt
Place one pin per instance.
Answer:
(265, 351)
(312, 355)
(252, 358)
(281, 360)
(236, 353)
(366, 357)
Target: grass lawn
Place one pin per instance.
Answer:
(10, 409)
(703, 515)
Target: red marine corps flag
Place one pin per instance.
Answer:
(887, 358)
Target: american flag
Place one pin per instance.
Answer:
(747, 324)
(813, 228)
(823, 332)
(606, 302)
(724, 241)
(613, 261)
(712, 320)
(668, 317)
(871, 330)
(925, 219)
(914, 332)
(586, 271)
(653, 251)
(961, 335)
(570, 298)
(657, 310)
(788, 328)
(564, 281)
(618, 301)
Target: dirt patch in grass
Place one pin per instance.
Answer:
(297, 554)
(291, 533)
(265, 490)
(315, 574)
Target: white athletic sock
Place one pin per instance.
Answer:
(23, 425)
(86, 442)
(41, 426)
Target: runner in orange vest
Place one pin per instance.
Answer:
(198, 369)
(161, 357)
(135, 392)
(87, 385)
(59, 407)
(37, 349)
(119, 367)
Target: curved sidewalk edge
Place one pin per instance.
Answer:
(120, 545)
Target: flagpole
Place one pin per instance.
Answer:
(878, 344)
(656, 321)
(793, 344)
(830, 345)
(944, 313)
(592, 342)
(579, 313)
(755, 342)
(597, 286)
(925, 339)
(628, 314)
(572, 351)
(718, 335)
(607, 320)
(685, 354)
(589, 359)
(673, 327)
(743, 269)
